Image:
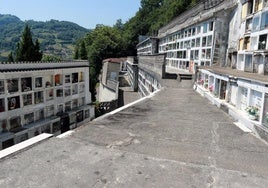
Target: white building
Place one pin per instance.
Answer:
(197, 36)
(38, 97)
(109, 85)
(241, 85)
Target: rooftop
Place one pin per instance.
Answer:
(26, 66)
(174, 138)
(115, 60)
(227, 71)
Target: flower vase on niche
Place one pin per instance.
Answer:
(13, 103)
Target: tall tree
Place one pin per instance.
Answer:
(10, 57)
(76, 52)
(103, 42)
(26, 49)
(83, 51)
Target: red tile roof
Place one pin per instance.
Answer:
(115, 60)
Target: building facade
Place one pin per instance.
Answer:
(225, 44)
(109, 85)
(38, 97)
(149, 46)
(197, 37)
(240, 86)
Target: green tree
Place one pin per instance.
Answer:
(83, 51)
(26, 49)
(103, 42)
(37, 53)
(10, 57)
(76, 52)
(50, 58)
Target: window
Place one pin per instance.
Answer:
(58, 80)
(56, 127)
(49, 81)
(68, 106)
(196, 54)
(208, 53)
(13, 103)
(27, 99)
(209, 40)
(248, 63)
(241, 43)
(28, 118)
(256, 23)
(12, 85)
(49, 94)
(79, 116)
(59, 92)
(45, 128)
(205, 27)
(193, 31)
(248, 25)
(81, 101)
(113, 75)
(50, 110)
(258, 5)
(262, 42)
(178, 45)
(247, 8)
(3, 126)
(39, 114)
(72, 118)
(81, 88)
(204, 41)
(38, 97)
(67, 91)
(192, 55)
(60, 108)
(198, 42)
(74, 77)
(253, 43)
(203, 54)
(81, 77)
(193, 43)
(14, 122)
(265, 3)
(75, 89)
(198, 29)
(210, 26)
(2, 105)
(189, 32)
(2, 87)
(38, 82)
(26, 84)
(246, 43)
(87, 114)
(264, 20)
(67, 79)
(75, 103)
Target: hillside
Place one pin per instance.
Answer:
(56, 37)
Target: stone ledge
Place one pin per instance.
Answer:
(23, 145)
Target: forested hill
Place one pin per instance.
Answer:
(56, 37)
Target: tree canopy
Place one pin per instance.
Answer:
(27, 50)
(121, 39)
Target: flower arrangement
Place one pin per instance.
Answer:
(201, 82)
(253, 112)
(211, 87)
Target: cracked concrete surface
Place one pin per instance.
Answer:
(175, 139)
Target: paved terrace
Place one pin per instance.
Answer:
(174, 139)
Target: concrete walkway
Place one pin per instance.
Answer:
(174, 139)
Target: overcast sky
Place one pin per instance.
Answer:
(86, 13)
